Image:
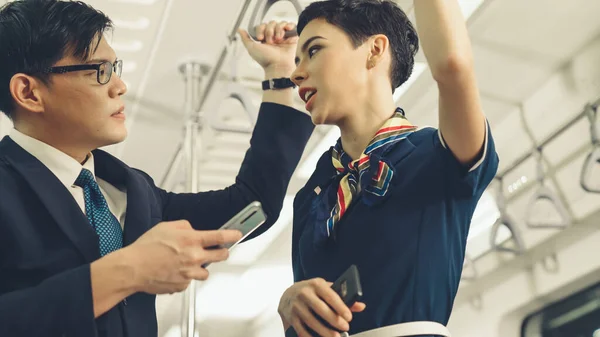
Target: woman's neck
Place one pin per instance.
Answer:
(359, 128)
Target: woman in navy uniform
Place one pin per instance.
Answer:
(393, 199)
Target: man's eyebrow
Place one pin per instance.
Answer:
(306, 44)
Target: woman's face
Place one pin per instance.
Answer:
(330, 72)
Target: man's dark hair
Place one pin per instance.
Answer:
(361, 19)
(35, 34)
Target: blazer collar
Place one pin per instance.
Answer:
(65, 211)
(58, 200)
(118, 173)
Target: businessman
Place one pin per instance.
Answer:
(87, 241)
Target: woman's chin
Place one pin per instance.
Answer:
(317, 118)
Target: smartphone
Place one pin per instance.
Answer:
(348, 287)
(246, 221)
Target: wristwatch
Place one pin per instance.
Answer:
(278, 83)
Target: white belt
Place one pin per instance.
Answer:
(407, 329)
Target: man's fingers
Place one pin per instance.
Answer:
(217, 237)
(213, 255)
(196, 273)
(179, 224)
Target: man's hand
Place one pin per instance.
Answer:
(169, 256)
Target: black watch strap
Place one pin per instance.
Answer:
(278, 83)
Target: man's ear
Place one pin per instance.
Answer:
(378, 48)
(27, 92)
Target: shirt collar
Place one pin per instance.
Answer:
(63, 166)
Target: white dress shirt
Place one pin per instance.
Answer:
(67, 169)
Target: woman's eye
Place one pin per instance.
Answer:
(312, 50)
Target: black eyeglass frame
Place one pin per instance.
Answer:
(116, 67)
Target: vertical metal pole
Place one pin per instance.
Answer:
(193, 73)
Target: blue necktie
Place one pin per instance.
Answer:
(104, 222)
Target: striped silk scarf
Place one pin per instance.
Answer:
(370, 173)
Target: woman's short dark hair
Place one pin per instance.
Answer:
(35, 34)
(361, 19)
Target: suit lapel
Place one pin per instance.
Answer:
(57, 199)
(114, 171)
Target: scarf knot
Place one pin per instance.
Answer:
(369, 175)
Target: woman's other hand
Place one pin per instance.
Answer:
(301, 303)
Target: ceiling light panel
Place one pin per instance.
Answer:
(140, 23)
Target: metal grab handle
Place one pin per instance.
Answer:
(544, 193)
(239, 93)
(514, 232)
(260, 11)
(593, 159)
(591, 111)
(506, 220)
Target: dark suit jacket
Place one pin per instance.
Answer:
(48, 245)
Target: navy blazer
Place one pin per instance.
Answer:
(48, 243)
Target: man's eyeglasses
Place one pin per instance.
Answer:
(104, 70)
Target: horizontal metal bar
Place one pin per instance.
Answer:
(550, 138)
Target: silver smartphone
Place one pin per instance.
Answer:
(246, 221)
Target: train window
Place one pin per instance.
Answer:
(575, 316)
